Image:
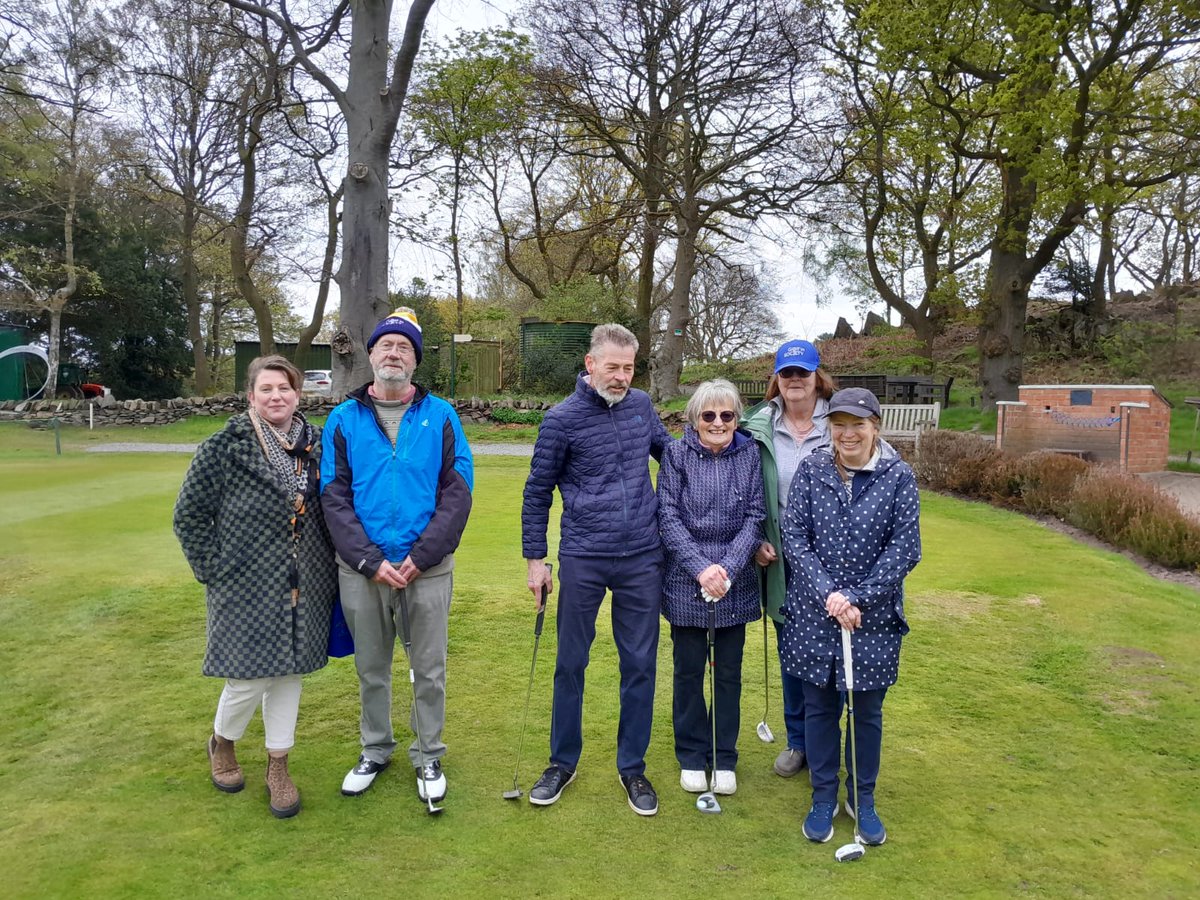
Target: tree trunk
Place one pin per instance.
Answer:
(331, 242)
(371, 106)
(668, 361)
(1002, 328)
(191, 297)
(53, 354)
(455, 252)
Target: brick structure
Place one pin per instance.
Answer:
(1123, 425)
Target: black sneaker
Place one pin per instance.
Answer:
(361, 777)
(642, 799)
(550, 786)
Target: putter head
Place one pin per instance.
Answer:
(764, 733)
(707, 803)
(850, 852)
(514, 794)
(434, 810)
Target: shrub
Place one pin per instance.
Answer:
(1134, 514)
(507, 415)
(1047, 480)
(965, 464)
(1104, 503)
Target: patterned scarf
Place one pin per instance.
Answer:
(278, 447)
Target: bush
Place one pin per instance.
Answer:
(1047, 480)
(549, 370)
(1131, 513)
(1104, 503)
(966, 464)
(506, 415)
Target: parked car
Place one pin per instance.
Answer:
(318, 381)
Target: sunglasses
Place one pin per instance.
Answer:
(710, 416)
(793, 372)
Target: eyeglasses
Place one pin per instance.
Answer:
(793, 372)
(710, 416)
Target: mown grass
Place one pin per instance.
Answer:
(1043, 736)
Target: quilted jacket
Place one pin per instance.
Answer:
(710, 510)
(598, 457)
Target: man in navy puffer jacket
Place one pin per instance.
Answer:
(595, 447)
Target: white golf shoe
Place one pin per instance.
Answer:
(434, 781)
(724, 782)
(693, 781)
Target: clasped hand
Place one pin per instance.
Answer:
(839, 607)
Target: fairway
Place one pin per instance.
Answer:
(1043, 737)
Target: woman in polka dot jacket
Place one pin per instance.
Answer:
(851, 533)
(710, 513)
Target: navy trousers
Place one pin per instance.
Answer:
(636, 585)
(692, 719)
(793, 699)
(823, 740)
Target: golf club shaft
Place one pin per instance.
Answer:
(712, 688)
(537, 638)
(412, 681)
(848, 662)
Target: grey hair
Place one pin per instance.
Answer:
(612, 335)
(715, 393)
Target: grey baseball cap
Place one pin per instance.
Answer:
(856, 401)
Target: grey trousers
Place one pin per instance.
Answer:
(373, 615)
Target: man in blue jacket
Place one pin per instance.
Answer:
(595, 447)
(396, 480)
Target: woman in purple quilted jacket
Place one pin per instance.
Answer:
(710, 514)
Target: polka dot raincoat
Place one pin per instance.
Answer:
(863, 547)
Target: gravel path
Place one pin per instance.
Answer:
(142, 447)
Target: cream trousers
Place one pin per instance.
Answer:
(280, 699)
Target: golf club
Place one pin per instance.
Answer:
(412, 680)
(707, 802)
(763, 730)
(855, 850)
(515, 793)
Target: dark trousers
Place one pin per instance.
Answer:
(693, 722)
(793, 699)
(823, 740)
(636, 585)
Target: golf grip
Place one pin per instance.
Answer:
(848, 659)
(541, 616)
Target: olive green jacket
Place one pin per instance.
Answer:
(758, 421)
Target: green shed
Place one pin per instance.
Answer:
(13, 383)
(319, 356)
(552, 353)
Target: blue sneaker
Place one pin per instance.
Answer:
(818, 824)
(870, 829)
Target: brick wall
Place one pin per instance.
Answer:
(1125, 426)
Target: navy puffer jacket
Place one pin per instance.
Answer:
(598, 458)
(710, 510)
(862, 547)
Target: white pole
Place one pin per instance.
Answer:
(91, 416)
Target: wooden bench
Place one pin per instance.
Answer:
(908, 420)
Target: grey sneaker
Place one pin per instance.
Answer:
(789, 762)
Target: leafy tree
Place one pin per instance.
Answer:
(1068, 103)
(469, 94)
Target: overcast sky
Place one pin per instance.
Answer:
(798, 312)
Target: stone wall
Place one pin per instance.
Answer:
(163, 412)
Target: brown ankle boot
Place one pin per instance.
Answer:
(285, 799)
(226, 773)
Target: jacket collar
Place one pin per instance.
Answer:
(361, 395)
(824, 469)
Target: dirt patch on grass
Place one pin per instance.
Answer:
(1128, 702)
(954, 604)
(1119, 657)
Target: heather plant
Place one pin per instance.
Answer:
(1104, 503)
(1047, 480)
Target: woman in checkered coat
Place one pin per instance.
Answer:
(249, 520)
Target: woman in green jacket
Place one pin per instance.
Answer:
(788, 426)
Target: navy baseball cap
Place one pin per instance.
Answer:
(856, 401)
(800, 354)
